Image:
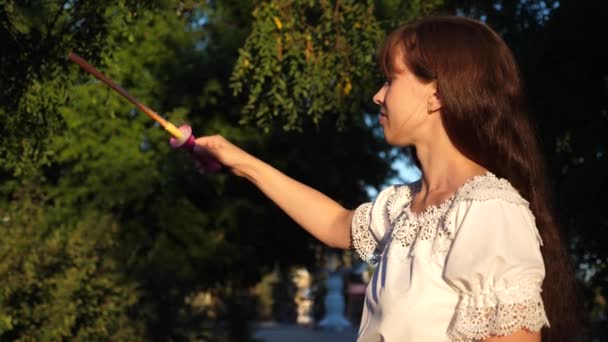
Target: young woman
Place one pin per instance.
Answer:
(462, 254)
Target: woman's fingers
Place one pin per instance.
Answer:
(215, 152)
(209, 153)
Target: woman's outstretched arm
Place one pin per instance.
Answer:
(318, 214)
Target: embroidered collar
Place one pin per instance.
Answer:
(433, 223)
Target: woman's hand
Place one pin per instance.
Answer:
(228, 154)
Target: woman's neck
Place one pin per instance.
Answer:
(444, 168)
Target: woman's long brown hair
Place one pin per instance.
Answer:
(483, 111)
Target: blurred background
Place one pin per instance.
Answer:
(107, 234)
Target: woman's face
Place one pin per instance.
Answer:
(404, 103)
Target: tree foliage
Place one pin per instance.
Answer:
(130, 230)
(36, 38)
(304, 59)
(59, 279)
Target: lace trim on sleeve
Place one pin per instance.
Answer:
(483, 315)
(363, 240)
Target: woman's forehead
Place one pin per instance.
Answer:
(395, 62)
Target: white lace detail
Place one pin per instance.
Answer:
(489, 187)
(398, 200)
(412, 227)
(362, 238)
(436, 223)
(498, 314)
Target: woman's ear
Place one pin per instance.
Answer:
(434, 101)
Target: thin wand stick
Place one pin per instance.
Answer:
(168, 126)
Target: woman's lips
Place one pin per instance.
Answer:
(382, 118)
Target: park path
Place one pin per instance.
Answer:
(273, 332)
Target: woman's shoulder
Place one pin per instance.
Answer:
(489, 187)
(488, 200)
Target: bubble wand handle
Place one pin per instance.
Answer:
(182, 137)
(207, 162)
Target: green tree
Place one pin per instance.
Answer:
(59, 279)
(36, 38)
(307, 59)
(59, 275)
(301, 59)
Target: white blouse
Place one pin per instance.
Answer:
(463, 270)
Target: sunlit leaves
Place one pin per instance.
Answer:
(306, 59)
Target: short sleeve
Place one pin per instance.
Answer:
(370, 223)
(496, 266)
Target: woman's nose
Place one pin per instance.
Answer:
(379, 96)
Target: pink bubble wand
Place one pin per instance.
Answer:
(181, 137)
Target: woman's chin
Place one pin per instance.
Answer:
(395, 141)
(389, 139)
